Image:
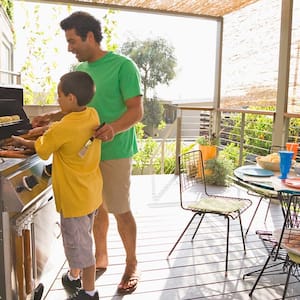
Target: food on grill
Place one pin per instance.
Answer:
(16, 153)
(8, 148)
(7, 119)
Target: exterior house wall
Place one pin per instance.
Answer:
(6, 48)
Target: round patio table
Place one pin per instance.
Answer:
(261, 181)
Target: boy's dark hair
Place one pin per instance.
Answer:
(83, 22)
(79, 84)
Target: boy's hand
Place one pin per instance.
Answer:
(37, 131)
(18, 141)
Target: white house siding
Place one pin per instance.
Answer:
(250, 55)
(6, 48)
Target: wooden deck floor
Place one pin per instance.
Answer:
(195, 270)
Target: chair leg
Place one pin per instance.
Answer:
(242, 233)
(198, 226)
(254, 272)
(227, 247)
(261, 272)
(267, 210)
(287, 281)
(185, 229)
(254, 215)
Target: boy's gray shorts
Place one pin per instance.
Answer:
(78, 241)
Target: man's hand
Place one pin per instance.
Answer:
(37, 131)
(46, 119)
(40, 121)
(105, 133)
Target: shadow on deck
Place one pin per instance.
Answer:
(195, 270)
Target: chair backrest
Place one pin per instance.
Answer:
(290, 237)
(191, 171)
(292, 208)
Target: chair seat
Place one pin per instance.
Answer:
(290, 240)
(294, 257)
(220, 205)
(264, 192)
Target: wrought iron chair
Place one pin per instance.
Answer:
(263, 194)
(192, 174)
(286, 240)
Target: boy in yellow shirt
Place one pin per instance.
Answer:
(77, 181)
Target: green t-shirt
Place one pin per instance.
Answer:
(117, 79)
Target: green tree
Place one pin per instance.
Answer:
(8, 6)
(155, 59)
(40, 65)
(156, 62)
(38, 70)
(153, 112)
(109, 26)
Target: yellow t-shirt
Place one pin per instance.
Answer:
(77, 182)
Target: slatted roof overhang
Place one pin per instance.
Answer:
(215, 9)
(204, 8)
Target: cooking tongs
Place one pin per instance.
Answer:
(83, 150)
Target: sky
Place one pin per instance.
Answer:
(193, 39)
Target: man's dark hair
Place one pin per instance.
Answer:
(83, 23)
(79, 84)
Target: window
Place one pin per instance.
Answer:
(6, 61)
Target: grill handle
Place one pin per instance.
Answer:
(20, 266)
(27, 260)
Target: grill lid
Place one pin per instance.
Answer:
(11, 103)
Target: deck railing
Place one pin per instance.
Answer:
(238, 128)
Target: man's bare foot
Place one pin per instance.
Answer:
(130, 280)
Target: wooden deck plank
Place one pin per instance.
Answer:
(195, 270)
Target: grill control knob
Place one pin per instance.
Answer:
(29, 182)
(20, 188)
(47, 170)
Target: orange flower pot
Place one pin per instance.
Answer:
(208, 152)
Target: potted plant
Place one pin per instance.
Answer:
(208, 146)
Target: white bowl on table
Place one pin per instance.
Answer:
(268, 165)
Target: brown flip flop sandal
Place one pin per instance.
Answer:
(135, 277)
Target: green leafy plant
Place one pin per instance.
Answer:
(143, 157)
(232, 152)
(207, 140)
(220, 170)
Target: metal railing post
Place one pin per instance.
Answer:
(178, 142)
(243, 120)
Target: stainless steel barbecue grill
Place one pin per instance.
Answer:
(29, 224)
